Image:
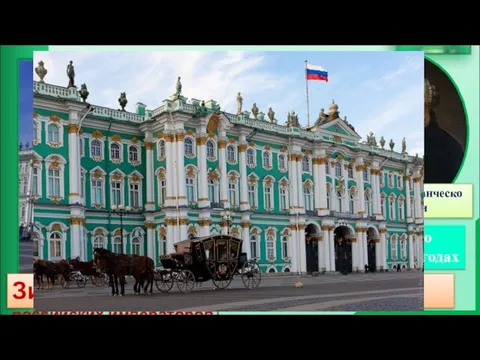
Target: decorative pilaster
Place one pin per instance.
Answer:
(74, 164)
(150, 203)
(318, 185)
(300, 199)
(203, 200)
(383, 246)
(325, 254)
(182, 186)
(171, 174)
(359, 248)
(222, 164)
(360, 187)
(377, 211)
(321, 186)
(172, 229)
(244, 204)
(333, 193)
(408, 204)
(331, 237)
(204, 226)
(302, 249)
(418, 198)
(292, 173)
(75, 235)
(346, 198)
(411, 250)
(150, 226)
(419, 240)
(246, 235)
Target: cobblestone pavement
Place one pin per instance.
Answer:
(358, 292)
(26, 257)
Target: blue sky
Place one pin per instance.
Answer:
(26, 101)
(377, 91)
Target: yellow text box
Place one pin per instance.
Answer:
(448, 201)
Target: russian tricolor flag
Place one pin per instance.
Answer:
(315, 72)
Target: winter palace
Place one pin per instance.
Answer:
(316, 199)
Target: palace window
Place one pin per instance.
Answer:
(136, 246)
(282, 163)
(393, 247)
(162, 191)
(55, 246)
(25, 185)
(232, 194)
(188, 145)
(329, 196)
(338, 169)
(339, 201)
(305, 164)
(381, 178)
(54, 182)
(231, 154)
(252, 195)
(213, 191)
(53, 133)
(268, 197)
(35, 179)
(35, 131)
(95, 149)
(401, 209)
(350, 171)
(390, 180)
(36, 246)
(365, 175)
(210, 149)
(411, 184)
(382, 206)
(116, 193)
(283, 198)
(266, 159)
(391, 204)
(403, 249)
(81, 145)
(351, 204)
(412, 207)
(135, 195)
(285, 252)
(99, 242)
(82, 184)
(399, 182)
(368, 203)
(161, 149)
(254, 254)
(117, 245)
(190, 182)
(162, 246)
(23, 212)
(327, 168)
(132, 154)
(308, 196)
(270, 244)
(250, 157)
(115, 151)
(97, 192)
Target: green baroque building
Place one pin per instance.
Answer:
(303, 199)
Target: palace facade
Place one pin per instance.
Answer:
(315, 199)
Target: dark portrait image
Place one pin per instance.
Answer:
(445, 127)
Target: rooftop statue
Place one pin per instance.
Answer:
(71, 74)
(41, 71)
(122, 100)
(239, 103)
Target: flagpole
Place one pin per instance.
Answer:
(306, 88)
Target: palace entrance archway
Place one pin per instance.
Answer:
(372, 238)
(312, 233)
(343, 249)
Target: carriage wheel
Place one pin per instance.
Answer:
(81, 281)
(105, 279)
(185, 281)
(97, 280)
(251, 274)
(65, 284)
(222, 283)
(164, 281)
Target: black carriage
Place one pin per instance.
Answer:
(218, 258)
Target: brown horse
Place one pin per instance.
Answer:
(50, 270)
(117, 266)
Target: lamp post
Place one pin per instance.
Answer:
(227, 217)
(121, 210)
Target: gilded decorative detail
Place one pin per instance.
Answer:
(324, 227)
(245, 224)
(308, 185)
(190, 172)
(163, 231)
(36, 162)
(201, 140)
(408, 177)
(222, 144)
(170, 221)
(268, 181)
(117, 176)
(322, 161)
(189, 132)
(283, 183)
(254, 231)
(54, 118)
(72, 128)
(242, 148)
(301, 226)
(161, 174)
(267, 148)
(251, 143)
(419, 233)
(116, 138)
(331, 228)
(352, 190)
(382, 231)
(80, 132)
(118, 232)
(213, 123)
(315, 161)
(183, 221)
(54, 165)
(99, 232)
(252, 180)
(213, 175)
(417, 180)
(35, 115)
(97, 134)
(76, 221)
(135, 178)
(360, 167)
(307, 153)
(345, 166)
(231, 140)
(56, 227)
(292, 227)
(235, 232)
(271, 232)
(149, 146)
(180, 136)
(283, 149)
(410, 233)
(160, 135)
(223, 223)
(204, 222)
(353, 239)
(361, 229)
(134, 140)
(55, 158)
(97, 174)
(168, 137)
(233, 177)
(337, 138)
(332, 164)
(377, 241)
(192, 230)
(211, 135)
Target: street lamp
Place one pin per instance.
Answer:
(227, 217)
(121, 210)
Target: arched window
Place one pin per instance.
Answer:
(308, 197)
(351, 204)
(210, 149)
(329, 197)
(136, 246)
(25, 185)
(115, 151)
(285, 252)
(252, 194)
(161, 149)
(339, 201)
(365, 174)
(53, 182)
(188, 145)
(99, 242)
(368, 204)
(162, 246)
(403, 248)
(162, 193)
(305, 164)
(95, 149)
(327, 168)
(393, 247)
(287, 270)
(272, 270)
(381, 177)
(230, 153)
(401, 209)
(390, 180)
(251, 157)
(55, 245)
(350, 171)
(392, 208)
(270, 247)
(23, 212)
(213, 191)
(191, 189)
(281, 162)
(117, 245)
(36, 248)
(53, 133)
(266, 159)
(233, 193)
(382, 205)
(254, 247)
(133, 154)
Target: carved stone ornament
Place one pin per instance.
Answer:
(41, 71)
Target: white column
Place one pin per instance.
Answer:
(182, 228)
(181, 185)
(361, 190)
(346, 198)
(411, 250)
(407, 198)
(301, 199)
(332, 247)
(357, 251)
(171, 172)
(326, 248)
(302, 248)
(321, 185)
(375, 192)
(203, 200)
(383, 243)
(75, 223)
(321, 252)
(333, 194)
(294, 245)
(204, 227)
(150, 203)
(150, 250)
(364, 248)
(292, 171)
(73, 164)
(244, 204)
(419, 238)
(171, 234)
(318, 185)
(222, 164)
(418, 198)
(246, 239)
(225, 229)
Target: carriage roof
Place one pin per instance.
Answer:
(206, 238)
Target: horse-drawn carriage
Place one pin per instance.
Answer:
(217, 258)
